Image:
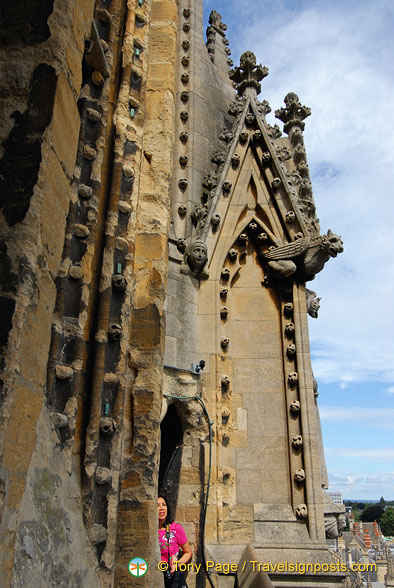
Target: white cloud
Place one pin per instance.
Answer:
(381, 455)
(380, 418)
(356, 485)
(390, 390)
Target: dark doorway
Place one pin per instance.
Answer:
(170, 455)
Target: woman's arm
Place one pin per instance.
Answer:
(187, 555)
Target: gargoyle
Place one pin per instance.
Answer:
(309, 255)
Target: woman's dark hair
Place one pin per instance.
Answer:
(169, 518)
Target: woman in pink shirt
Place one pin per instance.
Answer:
(172, 540)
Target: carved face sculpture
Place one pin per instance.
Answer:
(223, 292)
(226, 186)
(341, 523)
(224, 342)
(313, 308)
(262, 237)
(184, 115)
(114, 332)
(232, 253)
(299, 476)
(119, 282)
(291, 350)
(335, 244)
(243, 136)
(225, 274)
(290, 216)
(302, 511)
(253, 226)
(250, 118)
(266, 157)
(224, 312)
(288, 309)
(295, 407)
(296, 441)
(289, 329)
(182, 210)
(225, 381)
(243, 238)
(107, 426)
(276, 182)
(181, 244)
(235, 160)
(183, 160)
(198, 255)
(215, 220)
(257, 134)
(293, 378)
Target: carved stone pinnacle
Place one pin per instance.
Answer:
(293, 114)
(248, 74)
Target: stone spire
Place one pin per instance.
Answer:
(293, 114)
(248, 75)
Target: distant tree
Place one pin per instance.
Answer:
(382, 501)
(371, 513)
(387, 522)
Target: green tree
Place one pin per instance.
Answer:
(387, 521)
(371, 513)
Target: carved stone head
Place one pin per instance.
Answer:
(302, 511)
(335, 244)
(232, 253)
(250, 118)
(288, 309)
(296, 441)
(225, 275)
(114, 332)
(235, 160)
(184, 115)
(107, 426)
(293, 378)
(183, 183)
(226, 186)
(119, 282)
(183, 160)
(262, 237)
(224, 312)
(184, 135)
(289, 329)
(295, 407)
(290, 216)
(185, 78)
(215, 220)
(243, 136)
(225, 380)
(197, 255)
(291, 350)
(276, 182)
(257, 134)
(181, 244)
(185, 96)
(266, 157)
(223, 292)
(299, 476)
(224, 341)
(243, 238)
(186, 44)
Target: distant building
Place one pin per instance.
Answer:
(336, 497)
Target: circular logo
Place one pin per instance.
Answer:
(138, 567)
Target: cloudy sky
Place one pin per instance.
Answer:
(338, 56)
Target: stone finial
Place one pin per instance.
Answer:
(293, 114)
(248, 74)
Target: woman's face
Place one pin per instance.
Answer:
(162, 509)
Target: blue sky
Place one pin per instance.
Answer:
(339, 58)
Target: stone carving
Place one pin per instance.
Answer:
(309, 255)
(185, 78)
(186, 27)
(114, 332)
(63, 372)
(182, 209)
(199, 214)
(184, 115)
(119, 282)
(227, 51)
(183, 183)
(81, 231)
(210, 182)
(223, 293)
(185, 60)
(226, 136)
(215, 220)
(225, 415)
(226, 186)
(315, 387)
(232, 253)
(297, 441)
(195, 258)
(235, 160)
(253, 226)
(292, 378)
(334, 524)
(274, 131)
(183, 160)
(302, 511)
(224, 312)
(224, 341)
(186, 12)
(85, 191)
(225, 275)
(248, 74)
(312, 303)
(181, 244)
(243, 136)
(107, 426)
(185, 96)
(218, 158)
(186, 44)
(290, 216)
(276, 183)
(294, 113)
(283, 154)
(299, 476)
(266, 157)
(289, 329)
(237, 106)
(183, 136)
(291, 350)
(263, 107)
(250, 119)
(295, 406)
(243, 238)
(103, 475)
(257, 135)
(262, 237)
(288, 309)
(61, 421)
(225, 381)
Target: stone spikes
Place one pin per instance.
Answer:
(293, 114)
(248, 75)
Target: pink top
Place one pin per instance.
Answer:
(177, 538)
